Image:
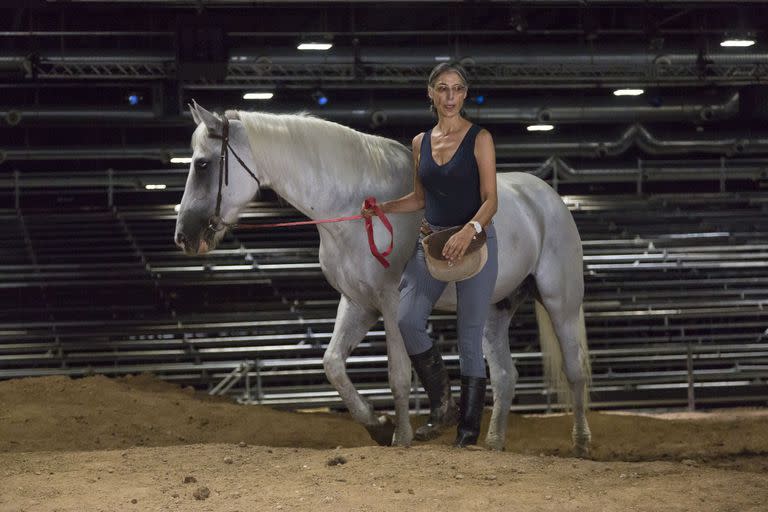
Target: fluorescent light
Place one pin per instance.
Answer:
(540, 128)
(154, 186)
(258, 95)
(737, 43)
(442, 58)
(628, 92)
(315, 46)
(177, 208)
(290, 266)
(181, 160)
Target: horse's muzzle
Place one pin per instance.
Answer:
(181, 241)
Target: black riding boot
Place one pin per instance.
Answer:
(434, 377)
(470, 410)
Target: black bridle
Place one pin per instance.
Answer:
(216, 223)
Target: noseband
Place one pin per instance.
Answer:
(216, 223)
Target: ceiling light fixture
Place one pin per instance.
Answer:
(181, 160)
(628, 92)
(314, 46)
(540, 128)
(258, 95)
(737, 43)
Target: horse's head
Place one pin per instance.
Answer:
(199, 226)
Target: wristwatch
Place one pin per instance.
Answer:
(477, 226)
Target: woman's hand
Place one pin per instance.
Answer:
(457, 245)
(367, 213)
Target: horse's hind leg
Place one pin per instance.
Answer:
(502, 369)
(352, 324)
(567, 321)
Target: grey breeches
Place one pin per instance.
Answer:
(419, 292)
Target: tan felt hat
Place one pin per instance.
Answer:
(442, 269)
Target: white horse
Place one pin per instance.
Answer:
(325, 170)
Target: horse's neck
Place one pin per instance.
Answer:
(321, 178)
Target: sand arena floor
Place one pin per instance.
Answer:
(139, 444)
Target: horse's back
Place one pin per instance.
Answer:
(524, 194)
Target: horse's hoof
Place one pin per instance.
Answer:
(581, 447)
(402, 440)
(383, 431)
(495, 443)
(581, 444)
(581, 452)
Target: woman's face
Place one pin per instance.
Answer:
(448, 93)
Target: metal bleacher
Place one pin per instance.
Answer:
(676, 289)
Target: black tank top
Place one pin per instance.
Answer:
(451, 190)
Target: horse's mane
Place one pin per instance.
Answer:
(345, 155)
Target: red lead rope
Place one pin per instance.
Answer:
(370, 204)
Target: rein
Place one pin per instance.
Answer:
(216, 223)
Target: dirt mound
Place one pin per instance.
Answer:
(60, 414)
(73, 445)
(94, 413)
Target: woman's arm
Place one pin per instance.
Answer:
(485, 154)
(412, 201)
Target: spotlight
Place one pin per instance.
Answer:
(479, 99)
(320, 97)
(134, 99)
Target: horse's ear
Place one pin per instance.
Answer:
(211, 120)
(193, 111)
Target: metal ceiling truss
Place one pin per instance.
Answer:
(412, 75)
(98, 70)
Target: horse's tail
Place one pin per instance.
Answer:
(554, 376)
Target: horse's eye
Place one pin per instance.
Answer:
(201, 165)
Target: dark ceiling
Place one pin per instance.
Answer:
(69, 71)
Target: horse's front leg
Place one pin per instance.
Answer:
(399, 365)
(352, 324)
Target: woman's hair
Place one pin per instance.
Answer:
(439, 70)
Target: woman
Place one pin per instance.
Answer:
(455, 182)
